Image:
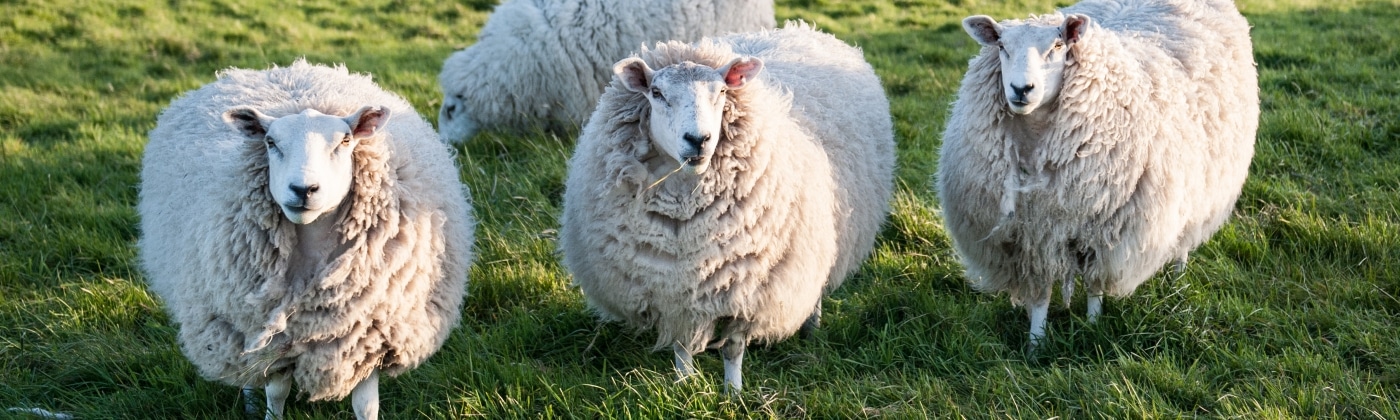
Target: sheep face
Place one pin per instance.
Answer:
(687, 104)
(1033, 56)
(310, 161)
(455, 122)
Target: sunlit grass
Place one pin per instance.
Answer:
(1289, 312)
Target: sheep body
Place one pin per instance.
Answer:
(546, 61)
(1139, 161)
(217, 249)
(796, 190)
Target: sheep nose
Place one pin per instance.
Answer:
(694, 140)
(1021, 91)
(448, 110)
(303, 191)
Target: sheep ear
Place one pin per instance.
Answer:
(248, 121)
(1074, 27)
(367, 121)
(740, 71)
(983, 29)
(635, 74)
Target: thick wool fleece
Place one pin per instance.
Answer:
(1148, 148)
(215, 245)
(798, 186)
(546, 61)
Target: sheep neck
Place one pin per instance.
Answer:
(316, 242)
(1029, 132)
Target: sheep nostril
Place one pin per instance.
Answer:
(447, 111)
(1021, 91)
(302, 192)
(694, 140)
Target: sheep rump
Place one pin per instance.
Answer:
(546, 61)
(215, 245)
(1147, 151)
(798, 186)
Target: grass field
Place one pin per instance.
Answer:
(1291, 311)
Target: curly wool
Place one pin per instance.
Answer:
(1148, 150)
(548, 60)
(215, 245)
(798, 186)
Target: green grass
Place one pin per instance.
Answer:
(1291, 311)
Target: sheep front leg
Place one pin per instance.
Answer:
(809, 327)
(685, 364)
(1095, 308)
(277, 391)
(1037, 311)
(733, 353)
(365, 397)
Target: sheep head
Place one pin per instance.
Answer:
(1033, 55)
(310, 161)
(687, 103)
(455, 122)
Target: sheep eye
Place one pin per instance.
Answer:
(345, 141)
(1059, 44)
(656, 93)
(270, 141)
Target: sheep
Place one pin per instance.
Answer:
(302, 224)
(1101, 141)
(546, 61)
(728, 183)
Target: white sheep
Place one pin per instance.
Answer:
(725, 184)
(546, 61)
(1101, 141)
(302, 224)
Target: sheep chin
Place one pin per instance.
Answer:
(301, 215)
(1022, 108)
(696, 166)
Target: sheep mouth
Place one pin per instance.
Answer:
(295, 209)
(692, 160)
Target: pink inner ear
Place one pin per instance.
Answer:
(1074, 27)
(370, 121)
(738, 72)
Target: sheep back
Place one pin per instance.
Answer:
(1148, 149)
(214, 244)
(755, 238)
(546, 61)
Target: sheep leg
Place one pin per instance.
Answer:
(365, 397)
(1095, 308)
(733, 354)
(1037, 311)
(685, 364)
(1180, 264)
(277, 391)
(250, 402)
(809, 327)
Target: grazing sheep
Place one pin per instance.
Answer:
(548, 60)
(1101, 141)
(303, 224)
(726, 183)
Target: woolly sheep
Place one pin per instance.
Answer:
(303, 224)
(1100, 141)
(727, 183)
(548, 60)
